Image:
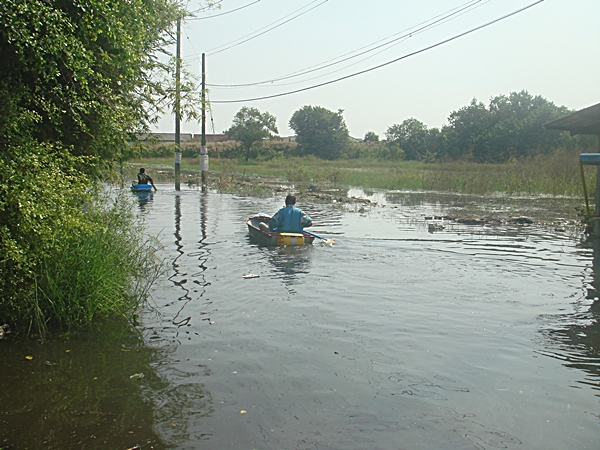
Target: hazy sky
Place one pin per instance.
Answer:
(550, 49)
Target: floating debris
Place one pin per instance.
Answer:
(4, 330)
(433, 227)
(520, 220)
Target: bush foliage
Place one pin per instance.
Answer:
(78, 81)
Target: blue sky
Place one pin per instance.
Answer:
(550, 49)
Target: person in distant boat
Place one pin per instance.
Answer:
(290, 219)
(144, 178)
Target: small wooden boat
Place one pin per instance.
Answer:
(140, 187)
(263, 236)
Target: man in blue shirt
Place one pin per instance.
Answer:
(290, 219)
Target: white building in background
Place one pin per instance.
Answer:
(184, 137)
(166, 137)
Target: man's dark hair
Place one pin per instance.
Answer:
(142, 170)
(290, 200)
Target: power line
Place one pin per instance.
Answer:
(222, 14)
(190, 41)
(251, 36)
(386, 63)
(441, 18)
(206, 8)
(391, 45)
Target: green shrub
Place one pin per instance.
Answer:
(67, 253)
(102, 267)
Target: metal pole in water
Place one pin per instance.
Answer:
(585, 195)
(596, 237)
(597, 201)
(178, 108)
(203, 150)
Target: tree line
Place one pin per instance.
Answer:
(509, 128)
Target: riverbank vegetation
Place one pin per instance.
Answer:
(102, 264)
(78, 81)
(83, 261)
(557, 174)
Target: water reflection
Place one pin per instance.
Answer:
(143, 199)
(203, 245)
(290, 262)
(434, 334)
(189, 280)
(203, 252)
(574, 338)
(178, 277)
(186, 400)
(97, 389)
(596, 260)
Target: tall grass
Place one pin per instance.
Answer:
(101, 267)
(556, 174)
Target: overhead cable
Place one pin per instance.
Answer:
(383, 48)
(405, 34)
(207, 7)
(251, 36)
(224, 13)
(386, 63)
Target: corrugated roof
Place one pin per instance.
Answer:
(584, 121)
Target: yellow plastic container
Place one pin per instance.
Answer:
(290, 239)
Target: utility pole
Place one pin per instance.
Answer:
(203, 151)
(178, 108)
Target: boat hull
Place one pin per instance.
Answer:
(140, 187)
(270, 238)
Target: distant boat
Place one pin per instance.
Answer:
(265, 237)
(140, 187)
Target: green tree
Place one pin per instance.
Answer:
(511, 127)
(320, 132)
(371, 136)
(467, 132)
(436, 144)
(518, 126)
(250, 126)
(411, 136)
(83, 74)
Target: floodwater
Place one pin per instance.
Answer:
(394, 337)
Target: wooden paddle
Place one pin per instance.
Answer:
(329, 241)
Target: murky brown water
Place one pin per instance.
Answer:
(472, 337)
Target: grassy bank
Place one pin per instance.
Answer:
(94, 262)
(101, 269)
(555, 175)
